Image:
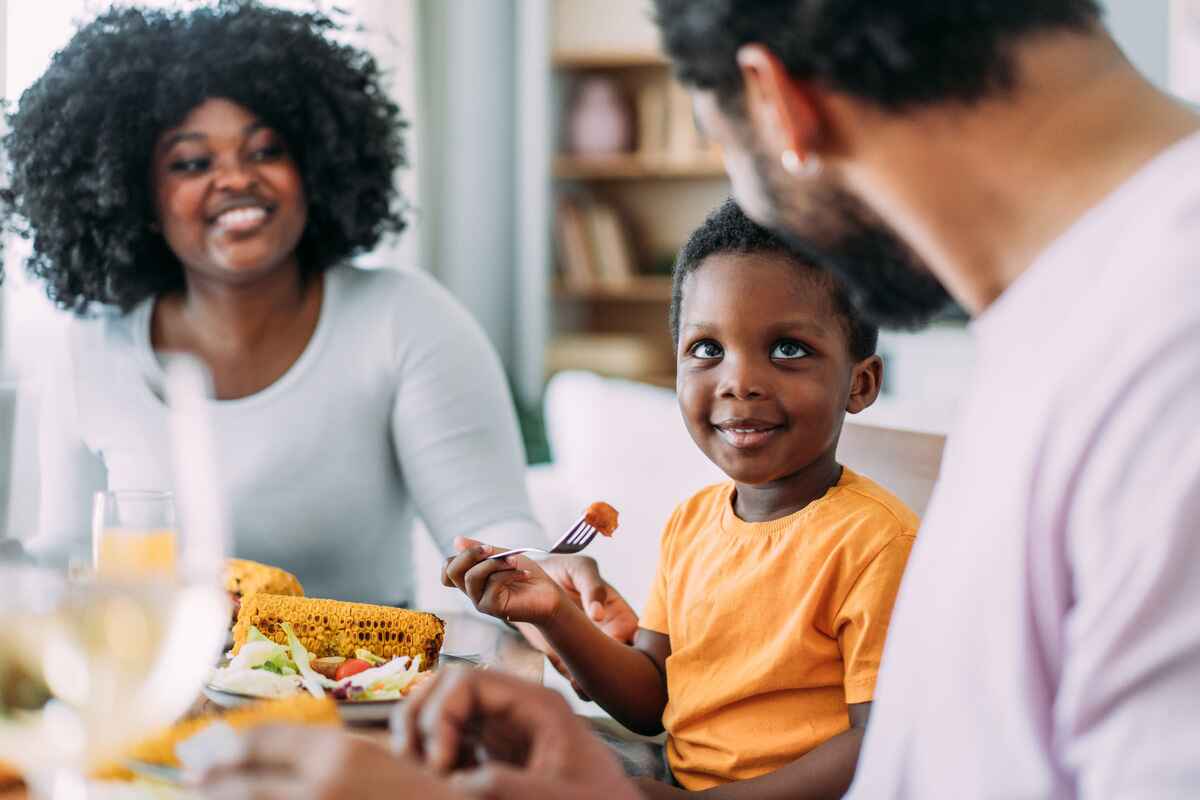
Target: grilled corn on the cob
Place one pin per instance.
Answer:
(336, 628)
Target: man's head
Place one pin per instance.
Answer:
(764, 71)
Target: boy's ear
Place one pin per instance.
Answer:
(865, 382)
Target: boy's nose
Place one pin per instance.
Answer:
(741, 381)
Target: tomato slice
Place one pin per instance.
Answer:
(351, 666)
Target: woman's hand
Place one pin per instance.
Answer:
(514, 589)
(505, 738)
(299, 763)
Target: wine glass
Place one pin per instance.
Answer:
(133, 532)
(92, 661)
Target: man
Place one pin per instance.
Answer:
(1046, 641)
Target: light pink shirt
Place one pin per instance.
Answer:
(1046, 641)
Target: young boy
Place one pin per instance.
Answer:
(761, 641)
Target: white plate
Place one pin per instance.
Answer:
(363, 711)
(372, 711)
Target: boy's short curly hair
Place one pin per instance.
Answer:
(729, 230)
(80, 142)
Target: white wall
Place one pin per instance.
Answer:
(1140, 26)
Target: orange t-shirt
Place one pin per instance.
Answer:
(775, 626)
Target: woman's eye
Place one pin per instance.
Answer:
(189, 165)
(787, 349)
(269, 153)
(707, 350)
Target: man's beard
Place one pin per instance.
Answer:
(887, 282)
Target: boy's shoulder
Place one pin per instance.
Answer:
(703, 507)
(866, 508)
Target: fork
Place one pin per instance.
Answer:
(579, 536)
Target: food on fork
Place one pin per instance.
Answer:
(602, 517)
(160, 748)
(244, 578)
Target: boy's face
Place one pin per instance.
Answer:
(765, 374)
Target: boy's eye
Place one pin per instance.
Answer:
(189, 165)
(706, 350)
(787, 349)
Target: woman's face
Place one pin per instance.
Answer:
(229, 198)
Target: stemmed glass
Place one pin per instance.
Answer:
(90, 661)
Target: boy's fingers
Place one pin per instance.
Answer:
(458, 567)
(476, 580)
(498, 582)
(462, 543)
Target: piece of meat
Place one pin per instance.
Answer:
(602, 517)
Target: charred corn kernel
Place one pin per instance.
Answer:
(334, 628)
(244, 578)
(602, 517)
(160, 749)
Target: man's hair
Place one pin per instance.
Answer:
(80, 142)
(729, 230)
(896, 54)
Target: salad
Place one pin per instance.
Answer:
(263, 668)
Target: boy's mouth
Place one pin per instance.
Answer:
(746, 434)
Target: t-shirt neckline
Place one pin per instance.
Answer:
(735, 526)
(154, 376)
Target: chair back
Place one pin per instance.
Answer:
(906, 463)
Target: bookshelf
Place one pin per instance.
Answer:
(615, 218)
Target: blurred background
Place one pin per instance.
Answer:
(555, 171)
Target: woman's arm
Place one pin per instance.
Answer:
(823, 772)
(454, 429)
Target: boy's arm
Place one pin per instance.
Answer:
(824, 771)
(628, 682)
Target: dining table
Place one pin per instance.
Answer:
(469, 637)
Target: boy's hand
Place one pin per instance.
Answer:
(514, 589)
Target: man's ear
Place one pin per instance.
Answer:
(783, 111)
(865, 382)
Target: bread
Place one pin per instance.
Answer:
(335, 628)
(244, 578)
(160, 749)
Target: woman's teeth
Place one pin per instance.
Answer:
(241, 219)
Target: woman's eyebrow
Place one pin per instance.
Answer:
(180, 136)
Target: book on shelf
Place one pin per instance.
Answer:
(579, 271)
(594, 246)
(651, 110)
(612, 252)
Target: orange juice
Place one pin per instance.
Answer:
(125, 551)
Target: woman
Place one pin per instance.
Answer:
(197, 182)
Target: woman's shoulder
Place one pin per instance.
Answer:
(417, 310)
(404, 289)
(104, 333)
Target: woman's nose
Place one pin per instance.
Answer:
(234, 175)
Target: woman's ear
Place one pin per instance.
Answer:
(866, 380)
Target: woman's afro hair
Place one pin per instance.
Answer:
(80, 141)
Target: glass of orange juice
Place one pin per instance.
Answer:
(134, 533)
